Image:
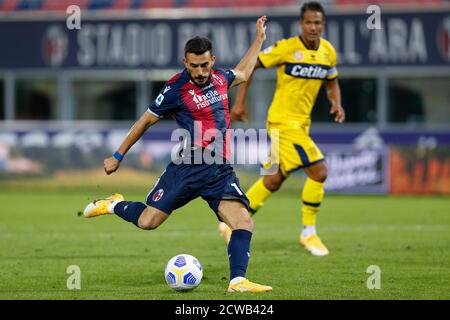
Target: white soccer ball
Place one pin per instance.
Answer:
(183, 272)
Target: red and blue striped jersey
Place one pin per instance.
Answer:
(204, 109)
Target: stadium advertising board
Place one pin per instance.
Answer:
(359, 162)
(422, 170)
(357, 171)
(405, 39)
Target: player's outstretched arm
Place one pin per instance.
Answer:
(239, 110)
(334, 96)
(111, 164)
(245, 67)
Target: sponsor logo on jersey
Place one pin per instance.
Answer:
(207, 99)
(307, 71)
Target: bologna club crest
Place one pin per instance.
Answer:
(158, 195)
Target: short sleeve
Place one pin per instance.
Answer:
(332, 72)
(229, 75)
(165, 103)
(274, 55)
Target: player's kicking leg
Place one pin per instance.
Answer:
(102, 206)
(235, 214)
(147, 218)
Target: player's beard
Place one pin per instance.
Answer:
(201, 84)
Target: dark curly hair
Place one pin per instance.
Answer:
(197, 45)
(313, 6)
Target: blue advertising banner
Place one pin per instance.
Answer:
(357, 170)
(404, 39)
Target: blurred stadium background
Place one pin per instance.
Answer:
(67, 97)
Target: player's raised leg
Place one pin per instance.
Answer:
(235, 214)
(312, 196)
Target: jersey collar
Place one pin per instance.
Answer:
(306, 46)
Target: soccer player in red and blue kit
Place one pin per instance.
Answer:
(196, 97)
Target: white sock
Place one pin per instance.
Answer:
(236, 280)
(308, 231)
(112, 205)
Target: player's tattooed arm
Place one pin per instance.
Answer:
(245, 67)
(111, 164)
(334, 96)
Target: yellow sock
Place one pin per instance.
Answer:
(312, 197)
(257, 194)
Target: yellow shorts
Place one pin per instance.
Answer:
(295, 148)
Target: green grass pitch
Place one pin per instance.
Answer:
(41, 235)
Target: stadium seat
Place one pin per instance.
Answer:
(149, 4)
(237, 3)
(30, 4)
(61, 5)
(100, 4)
(8, 5)
(417, 3)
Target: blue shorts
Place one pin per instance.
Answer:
(179, 184)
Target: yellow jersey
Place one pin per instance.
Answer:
(300, 74)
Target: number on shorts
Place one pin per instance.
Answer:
(237, 188)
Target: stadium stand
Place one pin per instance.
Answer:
(117, 5)
(391, 2)
(61, 5)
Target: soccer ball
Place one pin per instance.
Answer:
(183, 272)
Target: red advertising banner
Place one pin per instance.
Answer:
(420, 170)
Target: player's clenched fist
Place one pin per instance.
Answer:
(261, 28)
(110, 165)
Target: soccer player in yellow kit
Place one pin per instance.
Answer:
(304, 63)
